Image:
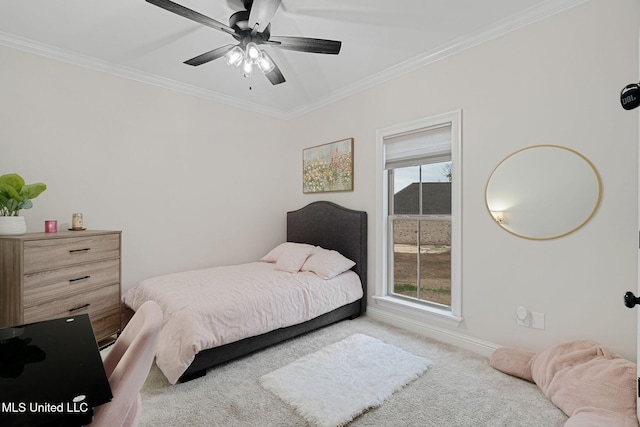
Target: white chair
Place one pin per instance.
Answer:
(127, 366)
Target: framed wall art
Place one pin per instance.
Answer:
(328, 167)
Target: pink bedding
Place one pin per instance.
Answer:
(210, 307)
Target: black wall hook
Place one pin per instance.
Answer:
(630, 300)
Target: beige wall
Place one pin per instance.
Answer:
(554, 82)
(191, 185)
(186, 180)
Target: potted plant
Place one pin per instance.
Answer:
(14, 196)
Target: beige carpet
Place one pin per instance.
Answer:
(459, 389)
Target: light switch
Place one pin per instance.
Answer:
(537, 320)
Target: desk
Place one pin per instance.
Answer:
(51, 373)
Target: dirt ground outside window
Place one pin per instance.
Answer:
(435, 273)
(435, 261)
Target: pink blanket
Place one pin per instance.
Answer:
(592, 385)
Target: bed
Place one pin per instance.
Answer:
(318, 229)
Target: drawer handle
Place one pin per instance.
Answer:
(79, 250)
(79, 278)
(71, 310)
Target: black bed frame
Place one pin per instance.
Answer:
(322, 224)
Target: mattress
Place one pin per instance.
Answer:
(207, 308)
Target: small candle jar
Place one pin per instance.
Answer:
(76, 221)
(51, 226)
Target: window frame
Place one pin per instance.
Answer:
(383, 294)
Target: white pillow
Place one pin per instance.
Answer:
(275, 253)
(327, 264)
(293, 257)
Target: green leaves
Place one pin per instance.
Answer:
(31, 191)
(16, 195)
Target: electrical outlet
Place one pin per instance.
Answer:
(537, 320)
(523, 316)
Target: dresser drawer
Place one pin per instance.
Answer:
(41, 255)
(91, 302)
(106, 324)
(52, 284)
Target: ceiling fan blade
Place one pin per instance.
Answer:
(261, 13)
(304, 44)
(209, 56)
(192, 15)
(275, 76)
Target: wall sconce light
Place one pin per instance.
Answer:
(499, 216)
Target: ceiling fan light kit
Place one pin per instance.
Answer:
(234, 57)
(265, 63)
(251, 28)
(250, 57)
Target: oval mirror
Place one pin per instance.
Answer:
(543, 192)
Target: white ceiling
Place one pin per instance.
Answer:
(380, 39)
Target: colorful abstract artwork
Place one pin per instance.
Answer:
(328, 167)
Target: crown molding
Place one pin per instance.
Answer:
(527, 17)
(515, 22)
(52, 52)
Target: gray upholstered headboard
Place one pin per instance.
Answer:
(332, 226)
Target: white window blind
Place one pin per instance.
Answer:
(418, 147)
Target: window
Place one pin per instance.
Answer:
(419, 215)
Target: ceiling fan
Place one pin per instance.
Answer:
(251, 28)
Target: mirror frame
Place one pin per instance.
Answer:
(587, 219)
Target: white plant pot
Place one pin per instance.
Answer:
(12, 225)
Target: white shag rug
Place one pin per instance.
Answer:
(343, 380)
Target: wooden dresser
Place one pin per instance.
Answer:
(51, 275)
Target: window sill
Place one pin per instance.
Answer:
(420, 310)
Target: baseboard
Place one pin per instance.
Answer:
(484, 348)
